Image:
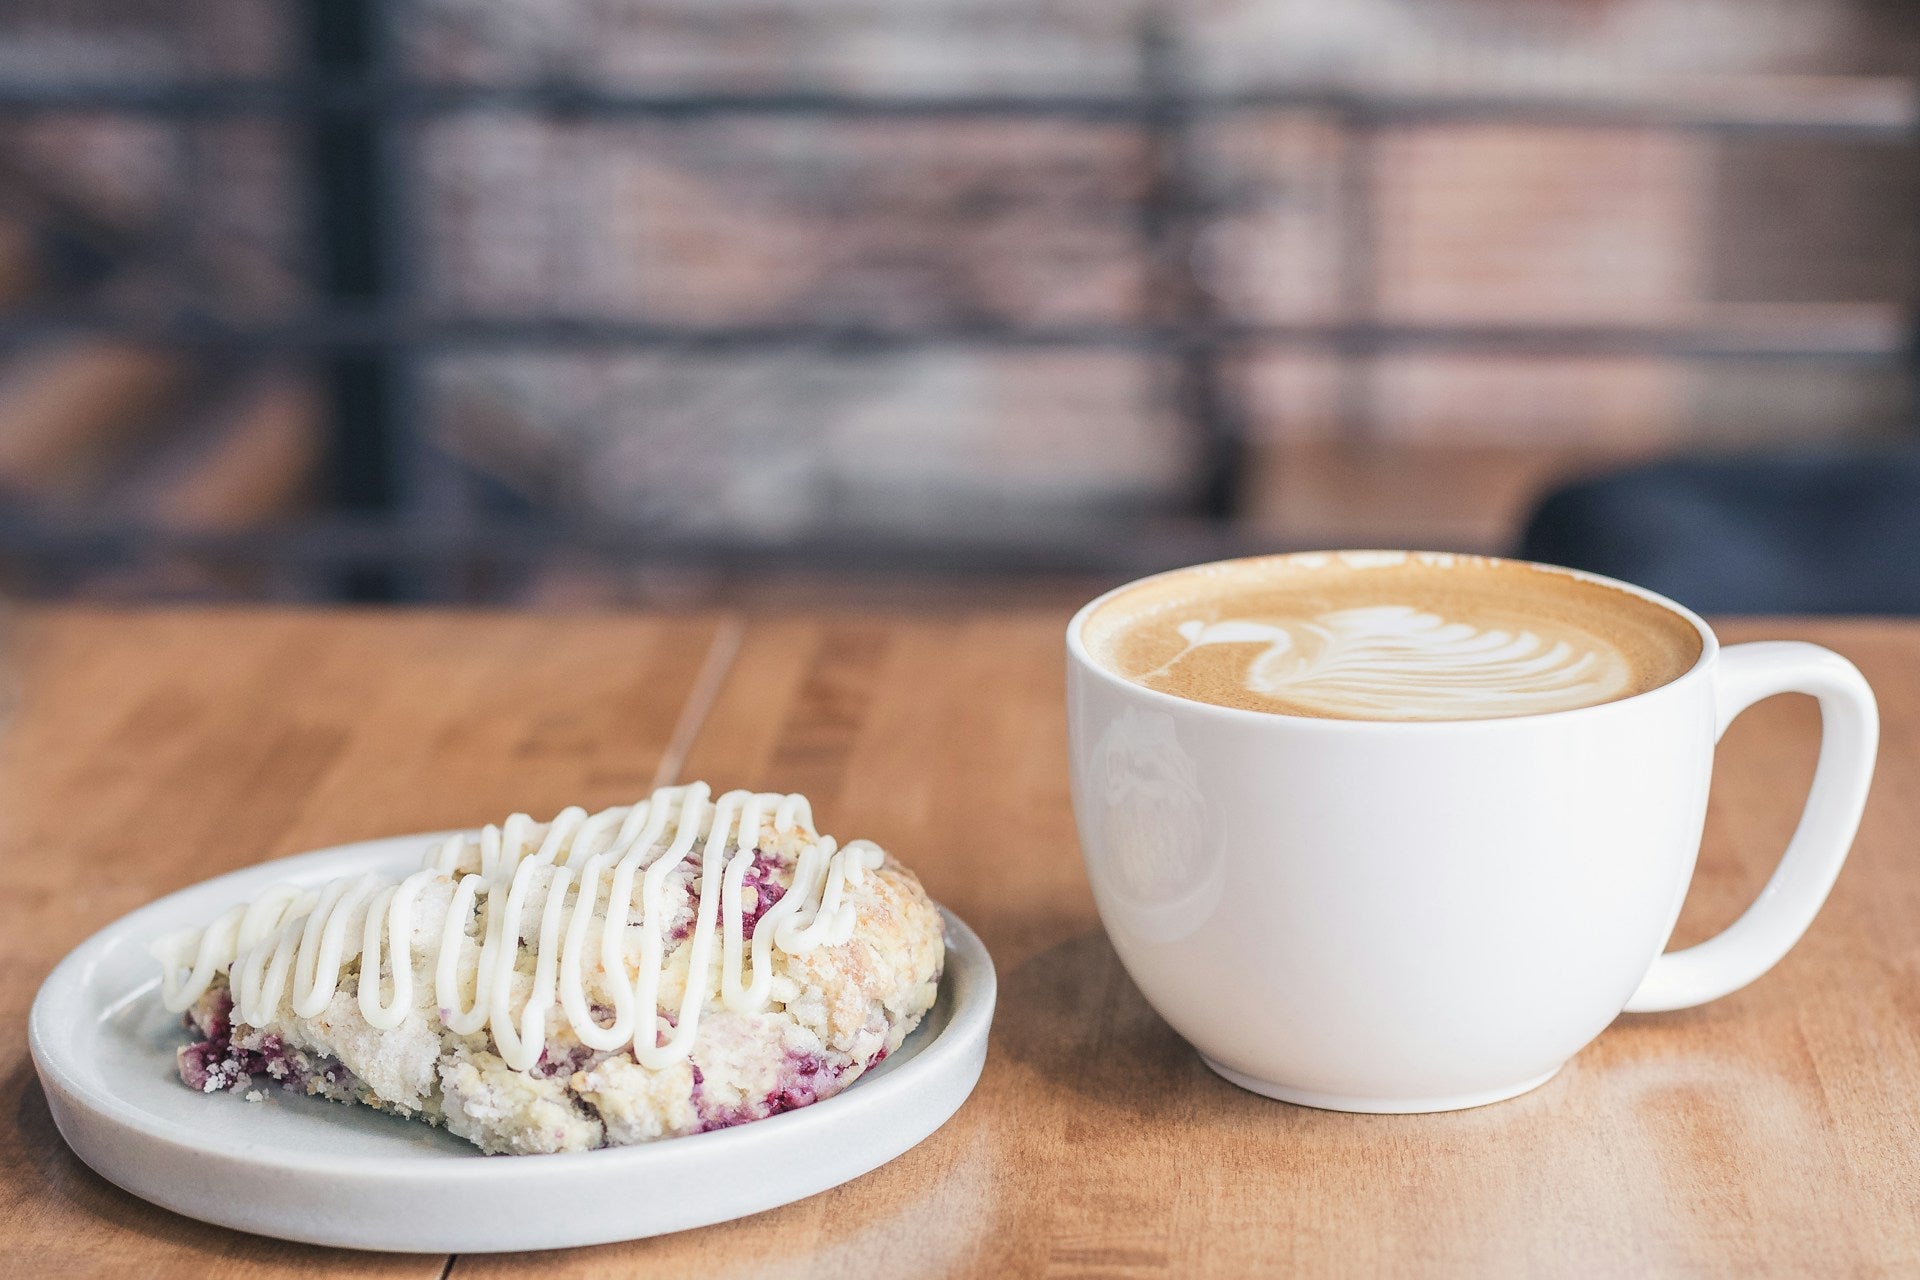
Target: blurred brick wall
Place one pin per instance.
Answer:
(828, 219)
(877, 223)
(908, 222)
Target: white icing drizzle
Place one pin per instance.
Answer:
(287, 948)
(1399, 662)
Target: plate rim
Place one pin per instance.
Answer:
(969, 978)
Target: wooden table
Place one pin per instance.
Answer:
(1774, 1132)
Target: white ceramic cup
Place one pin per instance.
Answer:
(1421, 916)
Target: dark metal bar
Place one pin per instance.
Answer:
(385, 544)
(1913, 350)
(352, 329)
(1892, 119)
(433, 493)
(349, 216)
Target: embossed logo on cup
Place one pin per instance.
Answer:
(1164, 877)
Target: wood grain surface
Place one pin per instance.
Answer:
(1774, 1132)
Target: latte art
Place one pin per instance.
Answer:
(1373, 662)
(1389, 636)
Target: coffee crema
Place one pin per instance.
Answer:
(1389, 636)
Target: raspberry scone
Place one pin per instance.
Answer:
(682, 964)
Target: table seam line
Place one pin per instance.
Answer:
(702, 697)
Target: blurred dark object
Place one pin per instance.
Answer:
(1802, 533)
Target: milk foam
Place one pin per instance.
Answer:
(1390, 637)
(1387, 660)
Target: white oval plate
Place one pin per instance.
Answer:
(308, 1169)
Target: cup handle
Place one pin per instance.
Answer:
(1849, 739)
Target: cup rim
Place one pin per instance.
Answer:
(1077, 651)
